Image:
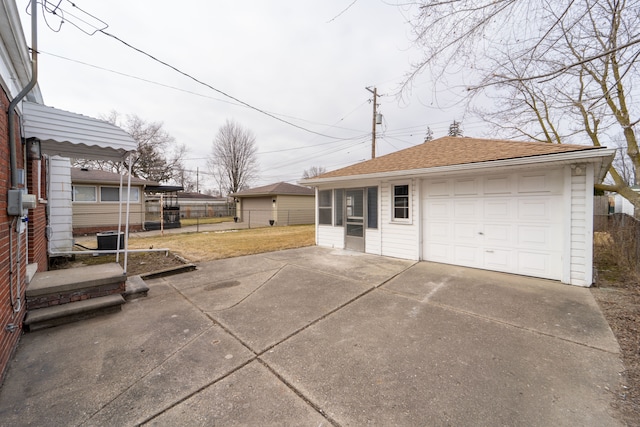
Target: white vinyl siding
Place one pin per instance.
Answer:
(581, 235)
(399, 240)
(331, 237)
(59, 206)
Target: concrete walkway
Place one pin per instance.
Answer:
(316, 337)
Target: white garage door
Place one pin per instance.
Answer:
(510, 223)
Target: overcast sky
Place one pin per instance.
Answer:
(306, 62)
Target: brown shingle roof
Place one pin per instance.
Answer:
(104, 177)
(449, 151)
(283, 188)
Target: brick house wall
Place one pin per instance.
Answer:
(38, 216)
(8, 339)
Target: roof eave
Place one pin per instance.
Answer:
(604, 156)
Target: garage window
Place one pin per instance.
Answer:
(324, 207)
(401, 203)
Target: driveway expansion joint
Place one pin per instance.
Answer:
(298, 393)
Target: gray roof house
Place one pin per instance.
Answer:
(276, 204)
(96, 200)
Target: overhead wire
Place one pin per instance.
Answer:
(202, 95)
(102, 30)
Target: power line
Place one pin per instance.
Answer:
(102, 29)
(328, 126)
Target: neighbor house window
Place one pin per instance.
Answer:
(111, 194)
(339, 202)
(84, 193)
(372, 207)
(401, 202)
(324, 207)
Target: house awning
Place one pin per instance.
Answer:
(73, 135)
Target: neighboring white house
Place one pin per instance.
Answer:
(515, 207)
(622, 205)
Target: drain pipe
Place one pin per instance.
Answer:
(13, 156)
(12, 106)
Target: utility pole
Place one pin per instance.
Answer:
(373, 126)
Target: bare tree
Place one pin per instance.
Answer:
(185, 179)
(233, 161)
(313, 171)
(559, 72)
(157, 158)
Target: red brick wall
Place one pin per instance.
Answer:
(37, 217)
(8, 340)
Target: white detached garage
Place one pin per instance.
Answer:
(516, 207)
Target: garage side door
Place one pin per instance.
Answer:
(510, 223)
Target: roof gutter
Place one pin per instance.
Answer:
(12, 106)
(605, 156)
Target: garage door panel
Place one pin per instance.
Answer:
(466, 232)
(498, 259)
(534, 237)
(537, 264)
(437, 188)
(439, 252)
(497, 185)
(466, 209)
(498, 235)
(439, 231)
(535, 209)
(465, 187)
(504, 222)
(467, 255)
(439, 209)
(497, 209)
(549, 182)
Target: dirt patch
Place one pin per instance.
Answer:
(617, 292)
(137, 263)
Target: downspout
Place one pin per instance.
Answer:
(13, 158)
(12, 106)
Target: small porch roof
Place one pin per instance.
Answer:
(73, 135)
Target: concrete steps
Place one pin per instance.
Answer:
(62, 296)
(49, 317)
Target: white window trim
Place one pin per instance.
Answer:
(330, 208)
(95, 193)
(392, 199)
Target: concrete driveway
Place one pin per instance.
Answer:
(316, 337)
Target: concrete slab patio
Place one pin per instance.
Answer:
(316, 336)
